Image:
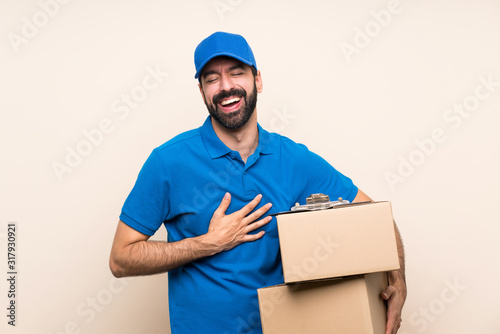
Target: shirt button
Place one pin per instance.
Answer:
(245, 173)
(232, 156)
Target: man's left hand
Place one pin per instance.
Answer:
(394, 308)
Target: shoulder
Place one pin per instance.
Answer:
(179, 142)
(174, 150)
(288, 146)
(289, 143)
(298, 155)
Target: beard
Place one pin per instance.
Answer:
(238, 118)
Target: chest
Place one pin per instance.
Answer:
(198, 188)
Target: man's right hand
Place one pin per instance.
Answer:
(228, 231)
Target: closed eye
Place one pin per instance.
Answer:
(211, 79)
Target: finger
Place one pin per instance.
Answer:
(224, 204)
(393, 326)
(257, 224)
(253, 237)
(390, 328)
(388, 292)
(258, 213)
(392, 321)
(250, 206)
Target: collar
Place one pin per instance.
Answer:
(216, 148)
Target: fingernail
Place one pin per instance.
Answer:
(269, 205)
(226, 195)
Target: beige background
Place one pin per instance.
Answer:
(364, 113)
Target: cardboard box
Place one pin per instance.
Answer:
(349, 305)
(342, 241)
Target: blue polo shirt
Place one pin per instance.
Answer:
(181, 185)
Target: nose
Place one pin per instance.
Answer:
(225, 83)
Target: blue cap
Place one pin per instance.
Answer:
(222, 44)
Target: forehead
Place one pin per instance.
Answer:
(224, 63)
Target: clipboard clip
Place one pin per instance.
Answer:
(318, 202)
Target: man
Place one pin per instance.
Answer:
(212, 188)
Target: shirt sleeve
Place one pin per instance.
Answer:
(146, 207)
(324, 178)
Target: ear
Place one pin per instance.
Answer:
(258, 82)
(201, 91)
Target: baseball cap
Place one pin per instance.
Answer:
(222, 44)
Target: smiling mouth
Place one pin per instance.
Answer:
(230, 102)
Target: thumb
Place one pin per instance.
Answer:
(224, 204)
(388, 292)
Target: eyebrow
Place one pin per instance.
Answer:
(232, 68)
(207, 73)
(237, 67)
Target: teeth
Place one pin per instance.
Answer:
(225, 103)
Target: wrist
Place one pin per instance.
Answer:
(207, 245)
(397, 280)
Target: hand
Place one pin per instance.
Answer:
(394, 308)
(228, 231)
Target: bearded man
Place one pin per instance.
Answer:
(213, 188)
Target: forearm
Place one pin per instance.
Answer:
(133, 254)
(397, 278)
(147, 257)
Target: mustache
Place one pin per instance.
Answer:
(225, 94)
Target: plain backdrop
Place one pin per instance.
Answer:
(401, 96)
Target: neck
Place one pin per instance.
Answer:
(244, 140)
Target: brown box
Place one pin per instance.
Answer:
(350, 305)
(342, 241)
